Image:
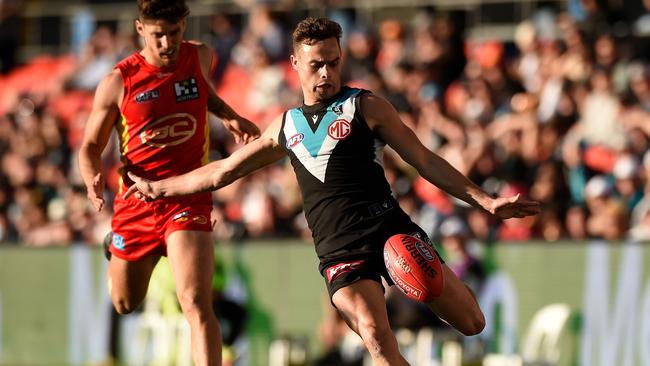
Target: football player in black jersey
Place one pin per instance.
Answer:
(332, 141)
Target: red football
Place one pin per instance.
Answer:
(414, 267)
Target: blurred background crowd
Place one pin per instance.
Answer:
(559, 113)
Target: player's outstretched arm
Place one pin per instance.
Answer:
(384, 120)
(241, 128)
(215, 175)
(103, 115)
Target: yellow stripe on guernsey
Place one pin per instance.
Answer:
(206, 142)
(123, 134)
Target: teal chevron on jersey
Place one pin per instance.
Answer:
(312, 140)
(315, 148)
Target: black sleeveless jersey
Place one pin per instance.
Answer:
(338, 163)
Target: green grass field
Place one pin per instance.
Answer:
(285, 292)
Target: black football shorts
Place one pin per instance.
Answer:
(364, 258)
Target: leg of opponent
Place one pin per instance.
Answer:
(191, 256)
(457, 306)
(128, 281)
(363, 307)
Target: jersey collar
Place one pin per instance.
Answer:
(315, 108)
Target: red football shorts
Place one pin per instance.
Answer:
(141, 228)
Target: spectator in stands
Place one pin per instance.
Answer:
(223, 38)
(267, 31)
(640, 218)
(608, 217)
(360, 55)
(267, 82)
(576, 223)
(459, 256)
(10, 34)
(98, 58)
(628, 187)
(527, 65)
(392, 46)
(578, 101)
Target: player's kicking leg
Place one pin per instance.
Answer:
(128, 281)
(457, 306)
(191, 258)
(363, 307)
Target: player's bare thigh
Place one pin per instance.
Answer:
(191, 255)
(458, 306)
(363, 301)
(128, 281)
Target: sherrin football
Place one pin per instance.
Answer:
(414, 267)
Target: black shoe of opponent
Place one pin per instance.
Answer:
(108, 239)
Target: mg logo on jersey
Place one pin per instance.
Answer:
(339, 129)
(169, 131)
(295, 140)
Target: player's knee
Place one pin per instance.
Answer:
(124, 306)
(376, 338)
(196, 305)
(474, 324)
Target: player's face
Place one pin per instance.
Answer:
(319, 69)
(162, 39)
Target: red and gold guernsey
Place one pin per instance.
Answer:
(163, 131)
(163, 127)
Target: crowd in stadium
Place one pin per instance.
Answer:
(561, 113)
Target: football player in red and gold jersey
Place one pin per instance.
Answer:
(158, 100)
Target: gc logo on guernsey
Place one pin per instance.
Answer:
(169, 131)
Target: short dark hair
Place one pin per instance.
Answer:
(312, 30)
(172, 11)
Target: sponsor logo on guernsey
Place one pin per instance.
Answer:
(339, 129)
(118, 242)
(169, 131)
(181, 217)
(295, 140)
(147, 96)
(186, 90)
(200, 219)
(340, 269)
